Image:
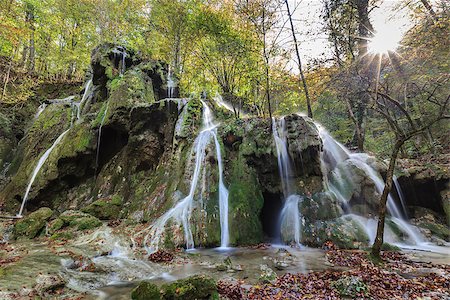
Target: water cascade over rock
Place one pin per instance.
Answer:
(163, 166)
(181, 212)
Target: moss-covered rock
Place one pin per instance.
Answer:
(321, 206)
(105, 208)
(146, 291)
(245, 204)
(351, 286)
(198, 287)
(78, 220)
(32, 224)
(436, 229)
(343, 232)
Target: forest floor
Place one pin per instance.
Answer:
(82, 269)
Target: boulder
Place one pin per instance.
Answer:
(31, 225)
(198, 287)
(105, 208)
(146, 291)
(343, 232)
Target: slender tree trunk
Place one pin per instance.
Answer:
(376, 248)
(365, 30)
(266, 61)
(7, 76)
(430, 9)
(302, 76)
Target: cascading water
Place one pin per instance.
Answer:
(291, 218)
(97, 155)
(87, 90)
(181, 212)
(171, 85)
(41, 108)
(38, 168)
(44, 157)
(333, 156)
(218, 98)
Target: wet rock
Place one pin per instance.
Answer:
(31, 225)
(200, 287)
(48, 283)
(321, 206)
(304, 145)
(343, 232)
(267, 274)
(426, 184)
(146, 291)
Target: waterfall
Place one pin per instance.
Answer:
(284, 161)
(38, 168)
(401, 196)
(333, 155)
(290, 215)
(123, 66)
(44, 157)
(87, 89)
(99, 136)
(181, 212)
(41, 108)
(219, 100)
(170, 84)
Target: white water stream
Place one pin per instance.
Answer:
(181, 212)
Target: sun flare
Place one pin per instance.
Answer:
(386, 39)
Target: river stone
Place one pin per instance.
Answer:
(350, 286)
(48, 283)
(146, 291)
(32, 224)
(198, 287)
(267, 274)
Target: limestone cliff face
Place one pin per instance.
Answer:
(143, 163)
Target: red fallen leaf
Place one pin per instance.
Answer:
(161, 256)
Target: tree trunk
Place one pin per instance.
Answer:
(365, 30)
(376, 248)
(302, 76)
(266, 61)
(430, 9)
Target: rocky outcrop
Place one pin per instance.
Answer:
(426, 185)
(31, 225)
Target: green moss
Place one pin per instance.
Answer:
(439, 230)
(245, 202)
(31, 225)
(62, 236)
(78, 140)
(86, 223)
(3, 271)
(79, 220)
(105, 208)
(197, 287)
(389, 247)
(145, 291)
(55, 225)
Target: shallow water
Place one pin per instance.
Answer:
(118, 268)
